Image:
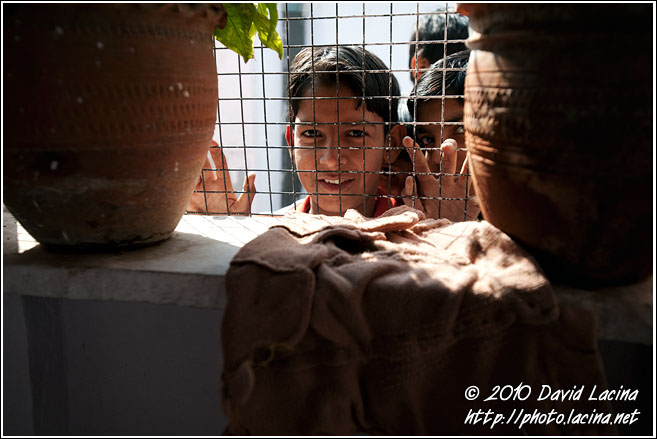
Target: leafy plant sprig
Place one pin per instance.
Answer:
(243, 21)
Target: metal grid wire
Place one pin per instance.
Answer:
(253, 104)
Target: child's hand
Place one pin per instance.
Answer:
(453, 186)
(224, 200)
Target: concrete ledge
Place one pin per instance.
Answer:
(189, 268)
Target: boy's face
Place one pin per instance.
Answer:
(432, 135)
(422, 65)
(342, 155)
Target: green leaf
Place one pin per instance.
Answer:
(243, 21)
(239, 33)
(267, 27)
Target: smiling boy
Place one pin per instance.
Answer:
(343, 129)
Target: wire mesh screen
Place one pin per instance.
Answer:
(327, 127)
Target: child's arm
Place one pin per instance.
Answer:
(453, 186)
(218, 180)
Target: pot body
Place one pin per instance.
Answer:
(558, 119)
(109, 112)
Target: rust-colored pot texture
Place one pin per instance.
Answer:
(109, 112)
(558, 119)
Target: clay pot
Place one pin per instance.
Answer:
(558, 119)
(109, 113)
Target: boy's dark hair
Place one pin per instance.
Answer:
(362, 71)
(431, 83)
(432, 28)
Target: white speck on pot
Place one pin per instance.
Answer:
(100, 45)
(171, 88)
(36, 206)
(80, 99)
(180, 86)
(176, 168)
(131, 50)
(185, 93)
(59, 30)
(66, 238)
(53, 165)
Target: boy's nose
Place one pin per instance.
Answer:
(329, 157)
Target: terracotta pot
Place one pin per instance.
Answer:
(109, 113)
(558, 119)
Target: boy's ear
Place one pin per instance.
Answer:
(290, 142)
(397, 134)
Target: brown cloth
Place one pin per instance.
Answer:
(344, 325)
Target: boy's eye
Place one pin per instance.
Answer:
(459, 130)
(356, 133)
(425, 141)
(310, 133)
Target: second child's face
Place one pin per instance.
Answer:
(341, 151)
(433, 134)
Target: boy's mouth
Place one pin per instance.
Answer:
(336, 184)
(334, 181)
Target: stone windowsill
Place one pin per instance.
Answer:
(188, 270)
